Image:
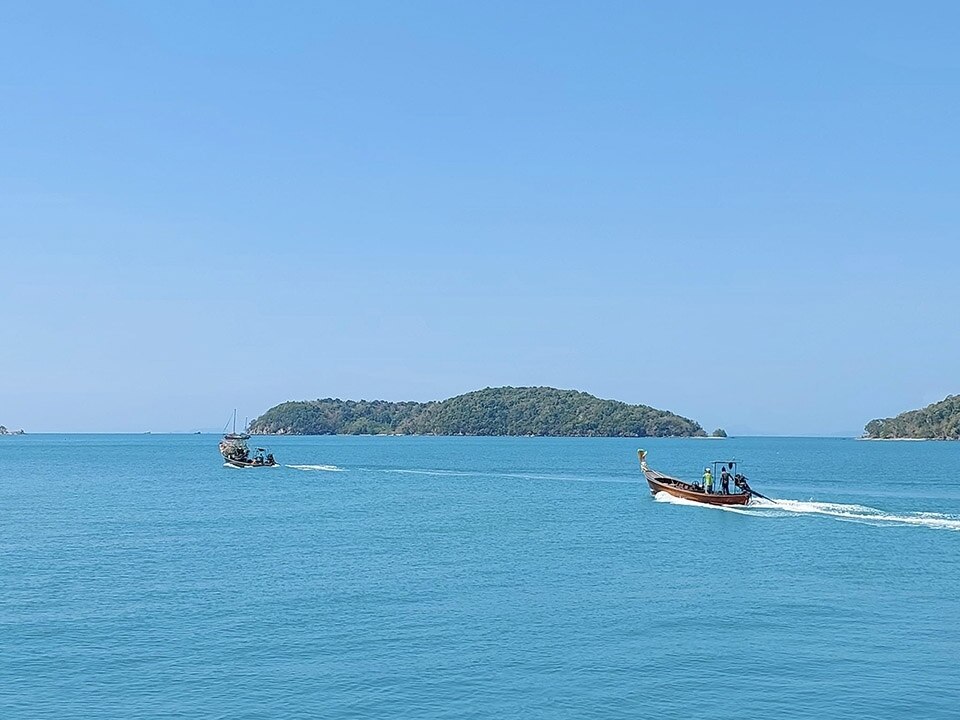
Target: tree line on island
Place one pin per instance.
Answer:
(539, 411)
(939, 421)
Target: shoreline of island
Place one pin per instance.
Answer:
(502, 411)
(937, 421)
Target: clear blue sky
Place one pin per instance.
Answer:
(747, 213)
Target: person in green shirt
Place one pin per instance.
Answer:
(707, 480)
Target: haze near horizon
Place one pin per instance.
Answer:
(745, 214)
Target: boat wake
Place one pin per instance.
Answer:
(782, 507)
(432, 473)
(856, 513)
(318, 468)
(503, 475)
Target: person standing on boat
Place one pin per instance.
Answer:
(725, 481)
(707, 481)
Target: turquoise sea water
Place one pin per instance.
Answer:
(475, 578)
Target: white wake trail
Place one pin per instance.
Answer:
(318, 468)
(863, 513)
(505, 475)
(782, 507)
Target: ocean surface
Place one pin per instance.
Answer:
(389, 577)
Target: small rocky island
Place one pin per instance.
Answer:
(4, 431)
(538, 411)
(939, 421)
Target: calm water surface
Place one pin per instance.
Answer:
(475, 578)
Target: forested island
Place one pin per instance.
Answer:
(540, 411)
(939, 421)
(4, 431)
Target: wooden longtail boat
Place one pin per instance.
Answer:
(659, 482)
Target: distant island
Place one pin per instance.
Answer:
(4, 431)
(939, 421)
(539, 411)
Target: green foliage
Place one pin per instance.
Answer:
(719, 432)
(494, 411)
(939, 421)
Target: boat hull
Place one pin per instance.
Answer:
(678, 488)
(248, 463)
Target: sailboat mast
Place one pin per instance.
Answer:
(234, 421)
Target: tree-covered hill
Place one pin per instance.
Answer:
(939, 421)
(493, 411)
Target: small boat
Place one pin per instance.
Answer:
(659, 482)
(235, 452)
